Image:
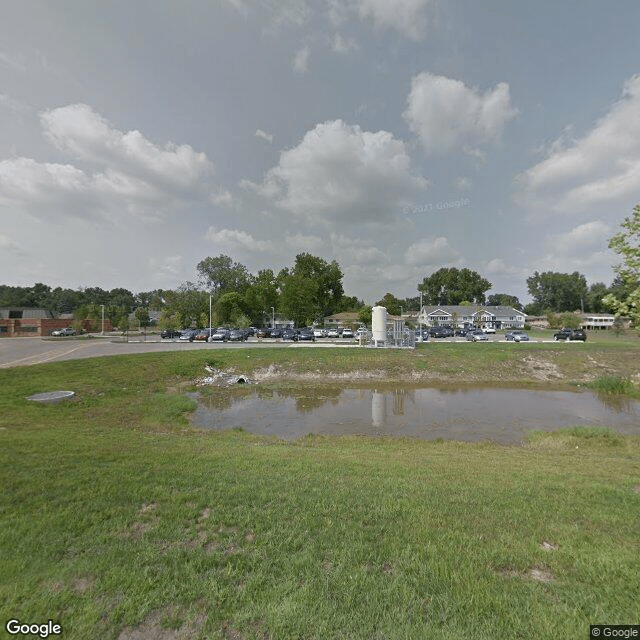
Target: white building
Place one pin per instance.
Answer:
(597, 321)
(475, 314)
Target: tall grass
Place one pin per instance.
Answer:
(613, 385)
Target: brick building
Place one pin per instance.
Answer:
(25, 321)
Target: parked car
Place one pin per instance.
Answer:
(238, 335)
(517, 335)
(67, 331)
(441, 332)
(204, 334)
(306, 334)
(276, 333)
(220, 335)
(333, 333)
(477, 335)
(319, 333)
(570, 334)
(289, 334)
(489, 328)
(170, 334)
(347, 333)
(188, 335)
(263, 332)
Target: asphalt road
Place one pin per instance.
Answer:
(16, 352)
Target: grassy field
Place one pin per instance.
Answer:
(117, 520)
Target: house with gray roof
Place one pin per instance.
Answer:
(500, 317)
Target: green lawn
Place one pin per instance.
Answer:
(116, 517)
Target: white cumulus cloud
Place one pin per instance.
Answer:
(339, 172)
(264, 135)
(589, 234)
(408, 17)
(447, 115)
(602, 166)
(113, 172)
(85, 134)
(431, 251)
(237, 239)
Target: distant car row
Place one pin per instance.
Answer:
(473, 334)
(222, 334)
(515, 335)
(444, 331)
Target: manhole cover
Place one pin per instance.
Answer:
(52, 396)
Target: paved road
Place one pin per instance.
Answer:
(16, 352)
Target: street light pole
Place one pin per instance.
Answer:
(102, 330)
(273, 318)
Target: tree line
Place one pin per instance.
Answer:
(312, 289)
(305, 293)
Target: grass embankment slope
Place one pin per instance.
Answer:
(119, 521)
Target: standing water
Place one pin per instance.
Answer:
(471, 414)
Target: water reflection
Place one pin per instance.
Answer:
(470, 414)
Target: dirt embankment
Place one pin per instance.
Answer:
(534, 368)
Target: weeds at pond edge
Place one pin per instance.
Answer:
(614, 385)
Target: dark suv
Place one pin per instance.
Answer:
(440, 332)
(570, 334)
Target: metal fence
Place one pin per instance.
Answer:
(398, 337)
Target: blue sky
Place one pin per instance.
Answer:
(396, 137)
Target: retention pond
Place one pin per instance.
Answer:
(467, 414)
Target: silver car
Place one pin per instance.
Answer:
(517, 336)
(477, 335)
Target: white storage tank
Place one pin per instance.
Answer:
(379, 324)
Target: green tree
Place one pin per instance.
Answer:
(150, 299)
(365, 315)
(64, 300)
(560, 320)
(450, 286)
(349, 303)
(94, 295)
(222, 275)
(411, 304)
(298, 298)
(327, 279)
(595, 298)
(261, 295)
(626, 244)
(122, 298)
(189, 304)
(557, 292)
(504, 300)
(142, 316)
(87, 316)
(229, 307)
(391, 303)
